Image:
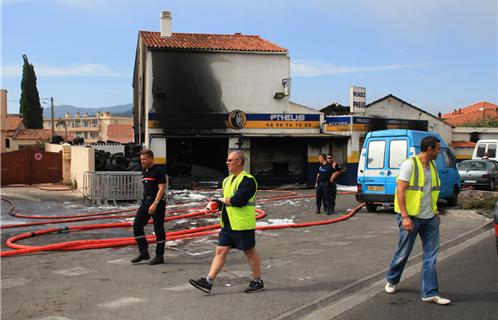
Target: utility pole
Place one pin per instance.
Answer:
(52, 112)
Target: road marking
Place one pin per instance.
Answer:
(126, 301)
(198, 253)
(73, 271)
(181, 287)
(309, 252)
(54, 318)
(361, 236)
(11, 283)
(121, 261)
(336, 243)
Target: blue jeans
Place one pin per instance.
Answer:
(429, 234)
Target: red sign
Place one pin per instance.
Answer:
(38, 156)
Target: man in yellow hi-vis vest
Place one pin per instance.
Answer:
(238, 224)
(417, 191)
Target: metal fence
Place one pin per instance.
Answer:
(100, 187)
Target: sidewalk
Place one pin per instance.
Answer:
(303, 269)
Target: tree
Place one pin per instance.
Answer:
(30, 106)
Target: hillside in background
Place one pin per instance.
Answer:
(124, 110)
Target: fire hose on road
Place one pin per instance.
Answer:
(117, 242)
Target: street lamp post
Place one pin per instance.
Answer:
(51, 112)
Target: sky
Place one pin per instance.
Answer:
(437, 55)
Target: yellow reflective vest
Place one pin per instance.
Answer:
(241, 218)
(415, 191)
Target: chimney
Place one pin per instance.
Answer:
(166, 24)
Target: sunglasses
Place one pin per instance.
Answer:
(230, 160)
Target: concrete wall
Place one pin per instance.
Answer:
(464, 133)
(395, 109)
(217, 82)
(50, 147)
(82, 159)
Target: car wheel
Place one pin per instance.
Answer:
(371, 207)
(492, 185)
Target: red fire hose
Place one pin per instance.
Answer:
(116, 242)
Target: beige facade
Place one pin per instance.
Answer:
(91, 128)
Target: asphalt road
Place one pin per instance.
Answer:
(469, 279)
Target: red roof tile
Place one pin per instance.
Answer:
(196, 41)
(473, 113)
(120, 133)
(34, 134)
(13, 122)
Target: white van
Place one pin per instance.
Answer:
(485, 148)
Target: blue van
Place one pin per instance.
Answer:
(381, 157)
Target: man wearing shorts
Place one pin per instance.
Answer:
(238, 224)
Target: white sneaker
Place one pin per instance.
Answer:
(437, 300)
(390, 288)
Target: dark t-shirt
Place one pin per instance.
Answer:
(246, 190)
(151, 179)
(324, 173)
(335, 168)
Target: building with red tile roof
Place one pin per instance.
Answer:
(14, 122)
(210, 42)
(472, 114)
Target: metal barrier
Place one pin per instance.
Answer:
(100, 187)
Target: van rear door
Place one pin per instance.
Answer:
(397, 153)
(374, 172)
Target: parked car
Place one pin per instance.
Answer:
(381, 157)
(479, 173)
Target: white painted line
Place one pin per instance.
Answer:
(181, 287)
(309, 252)
(73, 271)
(54, 318)
(199, 253)
(365, 294)
(11, 283)
(126, 301)
(121, 261)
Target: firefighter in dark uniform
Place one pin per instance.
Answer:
(336, 171)
(322, 184)
(153, 205)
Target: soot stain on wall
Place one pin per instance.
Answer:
(186, 92)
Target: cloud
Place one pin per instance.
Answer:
(89, 69)
(313, 68)
(66, 3)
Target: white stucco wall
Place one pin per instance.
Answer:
(394, 109)
(463, 133)
(82, 159)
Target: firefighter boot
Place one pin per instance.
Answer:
(159, 258)
(142, 248)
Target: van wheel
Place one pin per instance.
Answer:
(492, 185)
(371, 207)
(453, 200)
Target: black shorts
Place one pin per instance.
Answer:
(242, 240)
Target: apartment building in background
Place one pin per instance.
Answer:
(93, 128)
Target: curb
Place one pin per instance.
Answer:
(338, 296)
